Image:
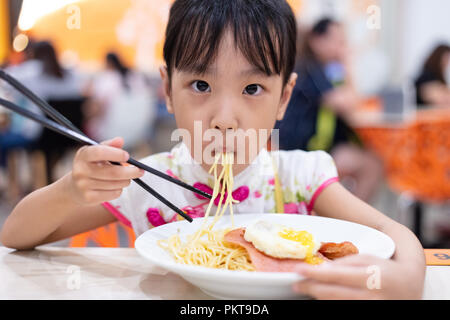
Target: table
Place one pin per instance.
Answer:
(118, 273)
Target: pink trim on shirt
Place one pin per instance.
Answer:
(116, 213)
(319, 190)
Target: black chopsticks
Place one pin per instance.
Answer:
(68, 129)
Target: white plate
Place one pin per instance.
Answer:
(227, 284)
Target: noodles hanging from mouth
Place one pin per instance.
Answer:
(207, 247)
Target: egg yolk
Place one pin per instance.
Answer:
(306, 239)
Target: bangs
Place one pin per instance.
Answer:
(263, 31)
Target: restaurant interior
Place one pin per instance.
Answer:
(393, 58)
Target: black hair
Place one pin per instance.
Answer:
(433, 64)
(45, 52)
(264, 31)
(113, 60)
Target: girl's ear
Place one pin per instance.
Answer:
(286, 96)
(166, 88)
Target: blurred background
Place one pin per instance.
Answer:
(373, 90)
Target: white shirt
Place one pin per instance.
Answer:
(302, 175)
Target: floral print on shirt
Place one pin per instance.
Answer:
(300, 175)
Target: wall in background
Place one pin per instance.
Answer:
(425, 23)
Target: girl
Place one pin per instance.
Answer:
(228, 68)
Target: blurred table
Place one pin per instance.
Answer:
(118, 273)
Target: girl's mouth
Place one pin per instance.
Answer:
(223, 150)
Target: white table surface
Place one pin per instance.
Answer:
(117, 273)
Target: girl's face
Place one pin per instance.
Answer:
(232, 107)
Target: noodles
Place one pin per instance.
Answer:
(206, 247)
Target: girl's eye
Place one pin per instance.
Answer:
(253, 89)
(201, 86)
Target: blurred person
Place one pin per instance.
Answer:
(62, 89)
(432, 89)
(323, 97)
(42, 73)
(50, 80)
(120, 104)
(17, 133)
(432, 84)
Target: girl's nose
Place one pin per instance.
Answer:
(223, 124)
(225, 118)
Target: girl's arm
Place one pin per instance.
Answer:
(72, 204)
(48, 215)
(365, 276)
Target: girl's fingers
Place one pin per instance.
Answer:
(108, 185)
(336, 274)
(98, 196)
(112, 172)
(320, 290)
(357, 260)
(103, 153)
(116, 142)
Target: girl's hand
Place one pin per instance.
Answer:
(361, 277)
(94, 180)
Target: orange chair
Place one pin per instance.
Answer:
(416, 158)
(106, 236)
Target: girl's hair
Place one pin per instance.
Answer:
(44, 52)
(433, 64)
(113, 60)
(264, 31)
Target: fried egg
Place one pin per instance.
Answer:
(282, 242)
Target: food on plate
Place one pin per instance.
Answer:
(263, 262)
(280, 241)
(209, 250)
(261, 246)
(207, 247)
(333, 250)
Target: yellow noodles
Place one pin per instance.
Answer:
(207, 247)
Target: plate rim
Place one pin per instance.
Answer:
(253, 276)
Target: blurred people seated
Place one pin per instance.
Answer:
(323, 97)
(432, 85)
(120, 104)
(61, 88)
(18, 132)
(50, 80)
